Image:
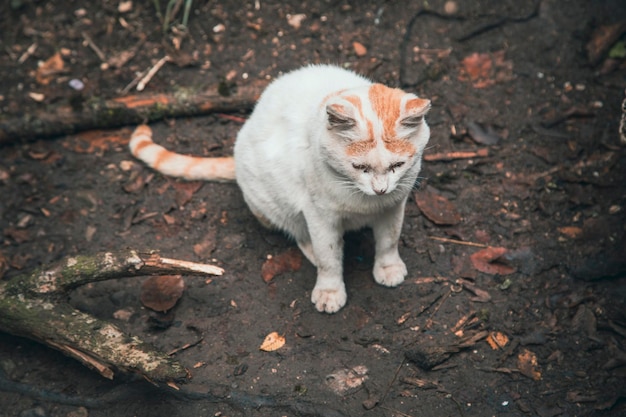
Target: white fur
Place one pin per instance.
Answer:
(294, 172)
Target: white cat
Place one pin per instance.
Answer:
(324, 151)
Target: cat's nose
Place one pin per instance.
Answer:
(381, 191)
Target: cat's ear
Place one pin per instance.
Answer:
(414, 111)
(339, 118)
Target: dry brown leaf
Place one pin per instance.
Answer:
(485, 261)
(497, 340)
(288, 261)
(272, 342)
(486, 69)
(163, 292)
(437, 208)
(185, 190)
(527, 365)
(51, 67)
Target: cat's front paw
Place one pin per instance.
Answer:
(329, 300)
(390, 275)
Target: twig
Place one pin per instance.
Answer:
(451, 156)
(186, 266)
(185, 347)
(395, 377)
(133, 83)
(31, 50)
(458, 242)
(94, 47)
(151, 73)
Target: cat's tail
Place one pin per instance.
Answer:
(177, 165)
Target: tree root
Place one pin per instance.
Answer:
(35, 306)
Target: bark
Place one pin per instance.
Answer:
(35, 306)
(95, 113)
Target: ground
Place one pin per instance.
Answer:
(518, 249)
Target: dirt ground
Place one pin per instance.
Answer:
(526, 86)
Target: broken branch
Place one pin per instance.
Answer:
(34, 306)
(98, 113)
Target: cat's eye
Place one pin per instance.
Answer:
(362, 167)
(393, 167)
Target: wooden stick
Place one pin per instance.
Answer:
(151, 73)
(94, 47)
(458, 242)
(451, 156)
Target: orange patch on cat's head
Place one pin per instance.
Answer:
(387, 104)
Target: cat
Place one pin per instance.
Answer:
(325, 151)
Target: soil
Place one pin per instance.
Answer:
(536, 326)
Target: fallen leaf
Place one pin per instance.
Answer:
(185, 190)
(51, 67)
(272, 342)
(485, 261)
(527, 365)
(437, 208)
(486, 69)
(288, 261)
(161, 293)
(602, 39)
(497, 340)
(359, 49)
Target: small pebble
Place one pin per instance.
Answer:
(76, 84)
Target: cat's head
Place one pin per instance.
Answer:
(376, 136)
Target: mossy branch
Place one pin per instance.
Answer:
(35, 306)
(96, 113)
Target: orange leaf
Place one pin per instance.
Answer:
(486, 69)
(359, 49)
(497, 340)
(485, 261)
(288, 261)
(527, 365)
(53, 66)
(272, 342)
